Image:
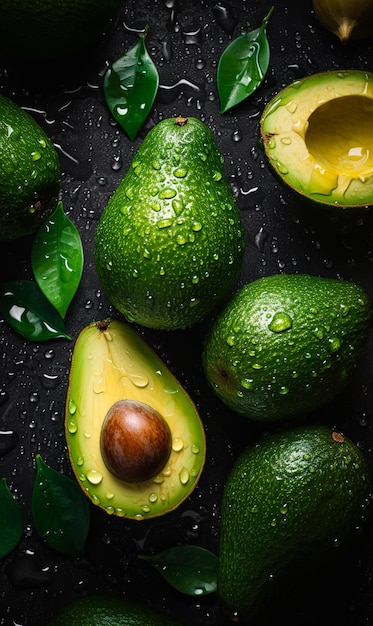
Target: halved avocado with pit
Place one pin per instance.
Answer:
(114, 373)
(317, 134)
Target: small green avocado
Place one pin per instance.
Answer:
(317, 136)
(291, 501)
(135, 439)
(286, 344)
(104, 609)
(169, 243)
(29, 173)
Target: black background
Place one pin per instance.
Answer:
(283, 234)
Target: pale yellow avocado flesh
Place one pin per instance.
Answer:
(318, 135)
(111, 362)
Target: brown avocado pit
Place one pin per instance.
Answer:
(135, 441)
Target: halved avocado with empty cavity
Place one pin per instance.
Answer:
(317, 133)
(135, 439)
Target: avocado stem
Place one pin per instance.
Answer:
(180, 120)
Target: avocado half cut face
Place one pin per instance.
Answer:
(317, 134)
(136, 442)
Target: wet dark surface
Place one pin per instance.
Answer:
(283, 234)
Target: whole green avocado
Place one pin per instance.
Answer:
(293, 500)
(287, 344)
(29, 172)
(169, 243)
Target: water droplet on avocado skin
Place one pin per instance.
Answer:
(280, 321)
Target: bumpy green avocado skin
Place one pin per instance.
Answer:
(50, 29)
(291, 501)
(29, 173)
(169, 243)
(286, 344)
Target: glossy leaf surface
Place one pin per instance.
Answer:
(243, 66)
(57, 259)
(11, 521)
(130, 87)
(60, 510)
(27, 310)
(189, 569)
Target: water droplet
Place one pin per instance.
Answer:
(178, 206)
(180, 172)
(72, 427)
(196, 226)
(8, 441)
(184, 476)
(165, 223)
(139, 380)
(292, 106)
(181, 240)
(177, 444)
(155, 205)
(225, 18)
(94, 476)
(72, 407)
(334, 344)
(192, 37)
(49, 381)
(257, 366)
(286, 141)
(281, 321)
(247, 383)
(167, 193)
(236, 136)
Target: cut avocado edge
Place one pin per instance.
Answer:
(317, 135)
(110, 362)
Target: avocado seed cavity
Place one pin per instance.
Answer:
(339, 135)
(135, 441)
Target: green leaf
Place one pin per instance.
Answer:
(60, 510)
(243, 66)
(57, 259)
(189, 569)
(11, 521)
(130, 87)
(26, 309)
